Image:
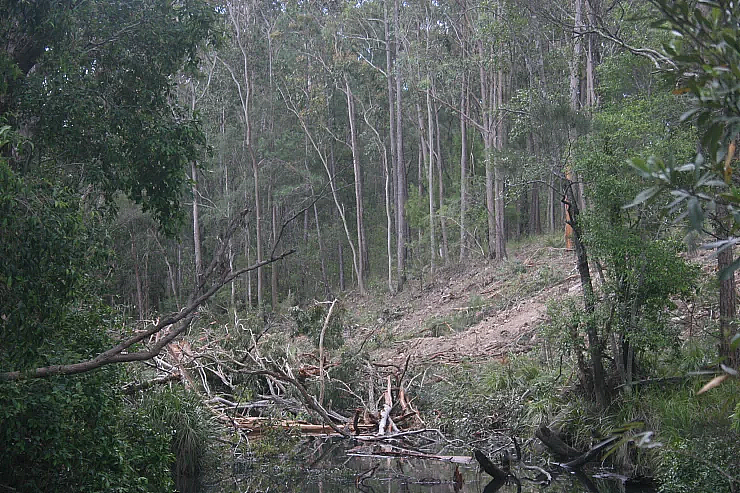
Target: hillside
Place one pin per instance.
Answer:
(478, 312)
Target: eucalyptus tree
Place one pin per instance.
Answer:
(492, 79)
(245, 63)
(308, 91)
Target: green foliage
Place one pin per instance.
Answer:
(50, 250)
(565, 325)
(310, 322)
(477, 400)
(74, 434)
(181, 417)
(91, 87)
(98, 100)
(702, 59)
(701, 466)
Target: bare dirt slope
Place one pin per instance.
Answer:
(477, 312)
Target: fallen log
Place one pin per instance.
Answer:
(555, 443)
(258, 425)
(591, 454)
(489, 467)
(455, 459)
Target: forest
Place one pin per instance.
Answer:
(229, 224)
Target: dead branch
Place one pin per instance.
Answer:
(591, 454)
(172, 326)
(134, 387)
(308, 399)
(321, 352)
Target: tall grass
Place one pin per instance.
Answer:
(181, 415)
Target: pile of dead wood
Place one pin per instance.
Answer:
(397, 416)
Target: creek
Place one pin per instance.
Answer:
(337, 467)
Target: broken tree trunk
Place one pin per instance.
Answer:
(555, 443)
(489, 467)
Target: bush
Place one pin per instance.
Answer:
(72, 433)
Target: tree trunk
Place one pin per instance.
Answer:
(464, 106)
(589, 300)
(196, 225)
(322, 255)
(498, 173)
(552, 203)
(430, 178)
(248, 255)
(362, 262)
(258, 232)
(591, 56)
(400, 171)
(535, 220)
(274, 266)
(440, 185)
(137, 275)
(575, 61)
(230, 253)
(389, 176)
(340, 216)
(486, 98)
(727, 297)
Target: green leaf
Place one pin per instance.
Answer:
(643, 196)
(695, 214)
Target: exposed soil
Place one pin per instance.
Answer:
(476, 312)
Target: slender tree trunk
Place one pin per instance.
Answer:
(387, 195)
(230, 253)
(440, 185)
(498, 173)
(340, 215)
(430, 178)
(361, 240)
(486, 97)
(274, 266)
(393, 164)
(535, 221)
(591, 56)
(464, 106)
(258, 233)
(589, 299)
(575, 96)
(575, 61)
(322, 255)
(196, 225)
(248, 256)
(179, 267)
(552, 203)
(240, 20)
(171, 274)
(137, 274)
(400, 171)
(727, 296)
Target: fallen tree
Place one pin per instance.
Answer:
(168, 328)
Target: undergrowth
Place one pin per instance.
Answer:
(697, 435)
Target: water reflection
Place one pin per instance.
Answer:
(326, 468)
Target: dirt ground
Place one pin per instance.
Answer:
(475, 313)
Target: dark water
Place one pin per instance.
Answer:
(325, 467)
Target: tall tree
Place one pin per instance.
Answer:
(243, 17)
